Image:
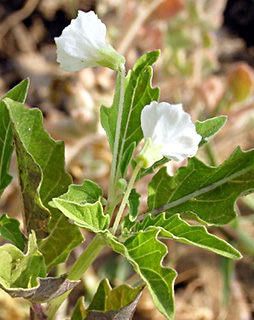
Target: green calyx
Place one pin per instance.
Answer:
(149, 154)
(111, 58)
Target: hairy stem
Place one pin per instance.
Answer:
(113, 173)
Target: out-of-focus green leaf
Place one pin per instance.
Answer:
(177, 229)
(209, 128)
(207, 192)
(18, 93)
(79, 311)
(82, 205)
(9, 229)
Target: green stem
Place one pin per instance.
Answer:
(113, 177)
(77, 270)
(126, 196)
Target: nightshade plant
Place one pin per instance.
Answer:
(54, 209)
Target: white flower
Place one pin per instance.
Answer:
(83, 44)
(168, 132)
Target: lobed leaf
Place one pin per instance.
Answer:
(24, 275)
(18, 93)
(18, 270)
(40, 162)
(207, 192)
(82, 205)
(179, 230)
(108, 303)
(145, 252)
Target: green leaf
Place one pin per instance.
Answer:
(24, 275)
(207, 192)
(128, 154)
(145, 252)
(18, 270)
(42, 174)
(138, 93)
(107, 299)
(9, 229)
(63, 237)
(82, 205)
(133, 204)
(209, 128)
(150, 170)
(119, 303)
(177, 229)
(79, 312)
(18, 93)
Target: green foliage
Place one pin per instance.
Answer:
(145, 252)
(138, 93)
(19, 270)
(63, 237)
(207, 192)
(9, 229)
(119, 303)
(204, 193)
(23, 275)
(127, 156)
(40, 162)
(82, 205)
(177, 229)
(18, 93)
(209, 128)
(133, 204)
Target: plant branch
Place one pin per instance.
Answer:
(126, 196)
(113, 177)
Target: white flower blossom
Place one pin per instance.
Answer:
(168, 132)
(83, 44)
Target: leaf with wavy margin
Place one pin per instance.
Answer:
(82, 205)
(18, 93)
(24, 275)
(207, 192)
(177, 229)
(145, 252)
(138, 93)
(42, 174)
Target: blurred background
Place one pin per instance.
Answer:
(206, 63)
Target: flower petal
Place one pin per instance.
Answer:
(170, 127)
(82, 44)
